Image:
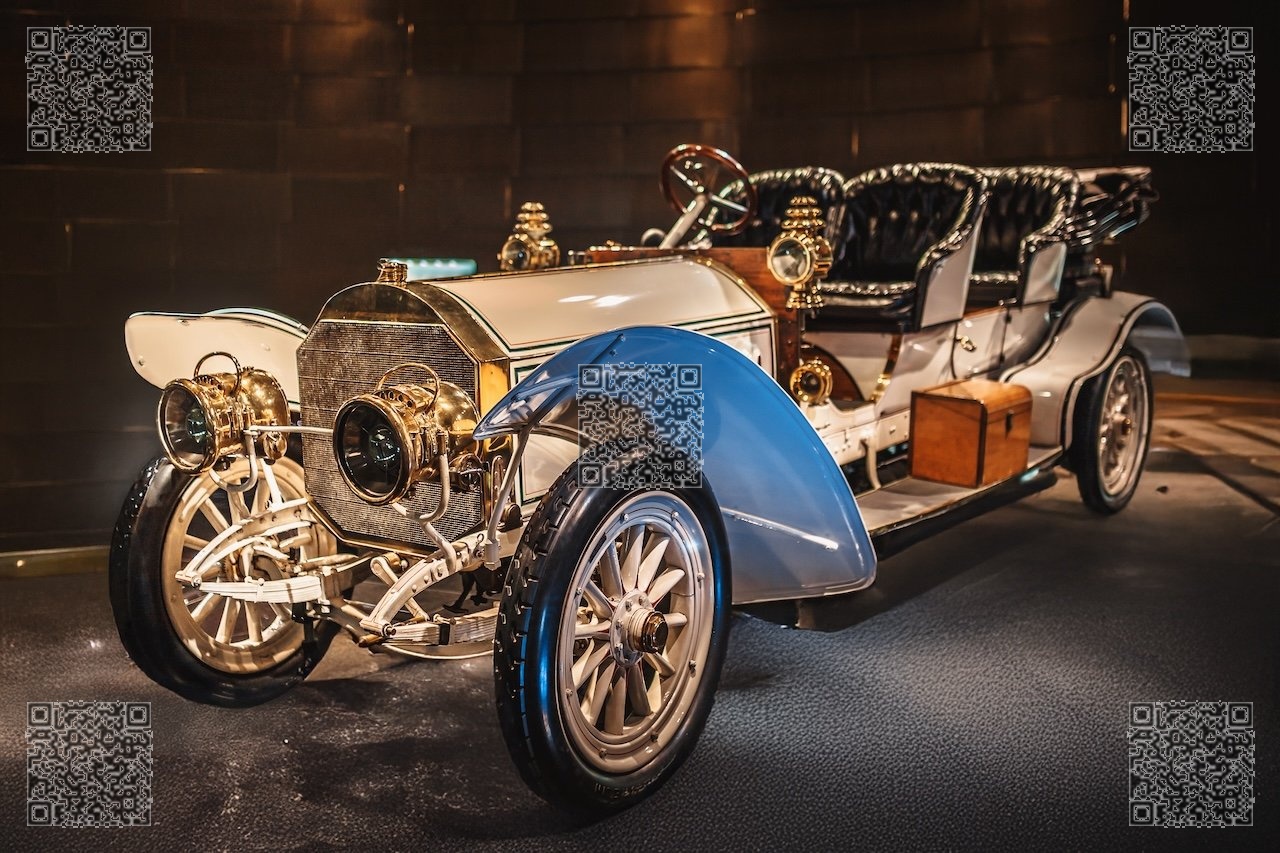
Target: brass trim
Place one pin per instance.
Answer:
(886, 375)
(803, 225)
(530, 234)
(816, 370)
(230, 403)
(392, 272)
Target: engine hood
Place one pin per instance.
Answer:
(542, 312)
(507, 321)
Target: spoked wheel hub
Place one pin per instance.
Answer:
(637, 629)
(637, 623)
(1121, 430)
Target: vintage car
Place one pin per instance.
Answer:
(826, 369)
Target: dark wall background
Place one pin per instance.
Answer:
(296, 141)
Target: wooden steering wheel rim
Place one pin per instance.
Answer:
(736, 171)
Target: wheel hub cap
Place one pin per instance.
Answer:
(637, 629)
(653, 633)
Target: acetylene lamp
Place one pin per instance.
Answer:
(800, 255)
(204, 418)
(528, 247)
(397, 436)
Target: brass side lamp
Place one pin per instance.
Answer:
(528, 247)
(800, 256)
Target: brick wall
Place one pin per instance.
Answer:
(296, 141)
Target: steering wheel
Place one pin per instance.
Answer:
(700, 171)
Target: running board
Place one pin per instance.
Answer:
(905, 512)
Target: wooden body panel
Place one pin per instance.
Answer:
(971, 433)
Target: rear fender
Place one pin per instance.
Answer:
(163, 346)
(1083, 344)
(793, 528)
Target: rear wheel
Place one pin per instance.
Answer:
(611, 636)
(204, 646)
(1113, 433)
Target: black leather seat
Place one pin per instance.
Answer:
(902, 222)
(1028, 210)
(775, 189)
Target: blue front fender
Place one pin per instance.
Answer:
(793, 527)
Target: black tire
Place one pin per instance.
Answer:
(142, 618)
(527, 646)
(1099, 487)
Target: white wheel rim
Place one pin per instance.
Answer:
(1122, 427)
(237, 637)
(623, 705)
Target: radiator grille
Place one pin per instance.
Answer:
(343, 358)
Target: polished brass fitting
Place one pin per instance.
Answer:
(388, 440)
(392, 272)
(811, 382)
(801, 255)
(203, 419)
(528, 247)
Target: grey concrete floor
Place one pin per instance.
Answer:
(976, 697)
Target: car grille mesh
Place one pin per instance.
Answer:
(343, 358)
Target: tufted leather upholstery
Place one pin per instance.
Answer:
(1025, 204)
(1028, 207)
(775, 189)
(900, 221)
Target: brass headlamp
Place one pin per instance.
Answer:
(204, 418)
(800, 255)
(528, 247)
(395, 437)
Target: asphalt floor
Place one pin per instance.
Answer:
(977, 697)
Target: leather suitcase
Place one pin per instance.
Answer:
(970, 433)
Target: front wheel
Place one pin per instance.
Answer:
(203, 646)
(1112, 433)
(611, 636)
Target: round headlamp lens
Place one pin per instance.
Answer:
(186, 428)
(369, 450)
(383, 449)
(790, 261)
(514, 254)
(198, 426)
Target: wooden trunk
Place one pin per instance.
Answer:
(971, 433)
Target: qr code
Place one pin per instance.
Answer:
(1191, 89)
(89, 89)
(89, 764)
(641, 425)
(1191, 764)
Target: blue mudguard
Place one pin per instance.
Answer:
(793, 527)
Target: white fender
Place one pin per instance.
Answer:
(1084, 342)
(163, 347)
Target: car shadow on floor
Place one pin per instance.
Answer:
(964, 554)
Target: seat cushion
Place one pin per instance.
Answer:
(1020, 200)
(867, 300)
(896, 214)
(991, 288)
